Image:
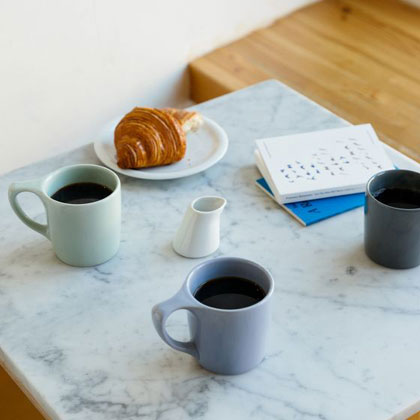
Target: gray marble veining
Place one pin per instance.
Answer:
(344, 342)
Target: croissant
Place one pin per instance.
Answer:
(148, 137)
(190, 120)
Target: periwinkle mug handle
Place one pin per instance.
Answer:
(162, 311)
(32, 186)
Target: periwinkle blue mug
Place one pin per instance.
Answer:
(224, 341)
(81, 234)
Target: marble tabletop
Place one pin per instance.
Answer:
(344, 342)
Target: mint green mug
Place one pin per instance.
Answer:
(81, 234)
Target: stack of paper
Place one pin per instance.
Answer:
(322, 173)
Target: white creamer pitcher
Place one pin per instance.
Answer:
(199, 233)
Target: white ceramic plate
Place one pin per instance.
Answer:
(204, 149)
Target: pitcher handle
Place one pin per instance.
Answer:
(162, 311)
(34, 187)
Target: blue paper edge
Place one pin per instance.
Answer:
(263, 183)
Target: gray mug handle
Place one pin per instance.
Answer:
(162, 311)
(33, 186)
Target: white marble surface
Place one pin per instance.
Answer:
(345, 339)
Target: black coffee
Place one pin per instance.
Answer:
(399, 197)
(81, 193)
(229, 293)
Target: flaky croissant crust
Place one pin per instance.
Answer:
(148, 137)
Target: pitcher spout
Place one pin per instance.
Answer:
(208, 205)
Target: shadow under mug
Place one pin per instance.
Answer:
(81, 234)
(224, 341)
(392, 234)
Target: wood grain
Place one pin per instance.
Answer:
(359, 59)
(14, 405)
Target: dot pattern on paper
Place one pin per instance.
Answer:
(322, 164)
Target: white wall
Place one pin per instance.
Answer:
(68, 67)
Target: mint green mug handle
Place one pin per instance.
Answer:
(34, 187)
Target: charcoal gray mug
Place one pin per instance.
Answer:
(81, 234)
(224, 341)
(392, 234)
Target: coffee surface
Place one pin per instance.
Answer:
(229, 293)
(81, 193)
(399, 197)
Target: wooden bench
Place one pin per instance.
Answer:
(358, 58)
